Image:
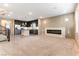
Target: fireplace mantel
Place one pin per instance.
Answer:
(56, 31)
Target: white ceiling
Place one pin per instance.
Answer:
(21, 10)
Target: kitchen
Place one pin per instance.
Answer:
(26, 28)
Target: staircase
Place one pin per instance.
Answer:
(4, 34)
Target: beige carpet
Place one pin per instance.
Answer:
(38, 46)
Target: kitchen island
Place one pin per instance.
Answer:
(26, 31)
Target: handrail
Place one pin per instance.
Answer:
(2, 26)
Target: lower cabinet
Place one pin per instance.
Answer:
(17, 31)
(25, 32)
(33, 32)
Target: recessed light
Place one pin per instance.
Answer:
(10, 12)
(41, 17)
(30, 13)
(6, 5)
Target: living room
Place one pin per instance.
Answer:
(40, 29)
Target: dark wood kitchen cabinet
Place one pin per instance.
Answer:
(33, 32)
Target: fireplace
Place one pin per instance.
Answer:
(55, 32)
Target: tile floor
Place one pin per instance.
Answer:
(38, 46)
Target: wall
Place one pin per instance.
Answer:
(59, 21)
(76, 18)
(4, 21)
(12, 26)
(77, 24)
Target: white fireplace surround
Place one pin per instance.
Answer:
(56, 35)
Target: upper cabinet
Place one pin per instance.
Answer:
(33, 23)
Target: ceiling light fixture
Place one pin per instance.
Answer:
(6, 5)
(10, 12)
(30, 13)
(40, 17)
(44, 21)
(8, 15)
(66, 19)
